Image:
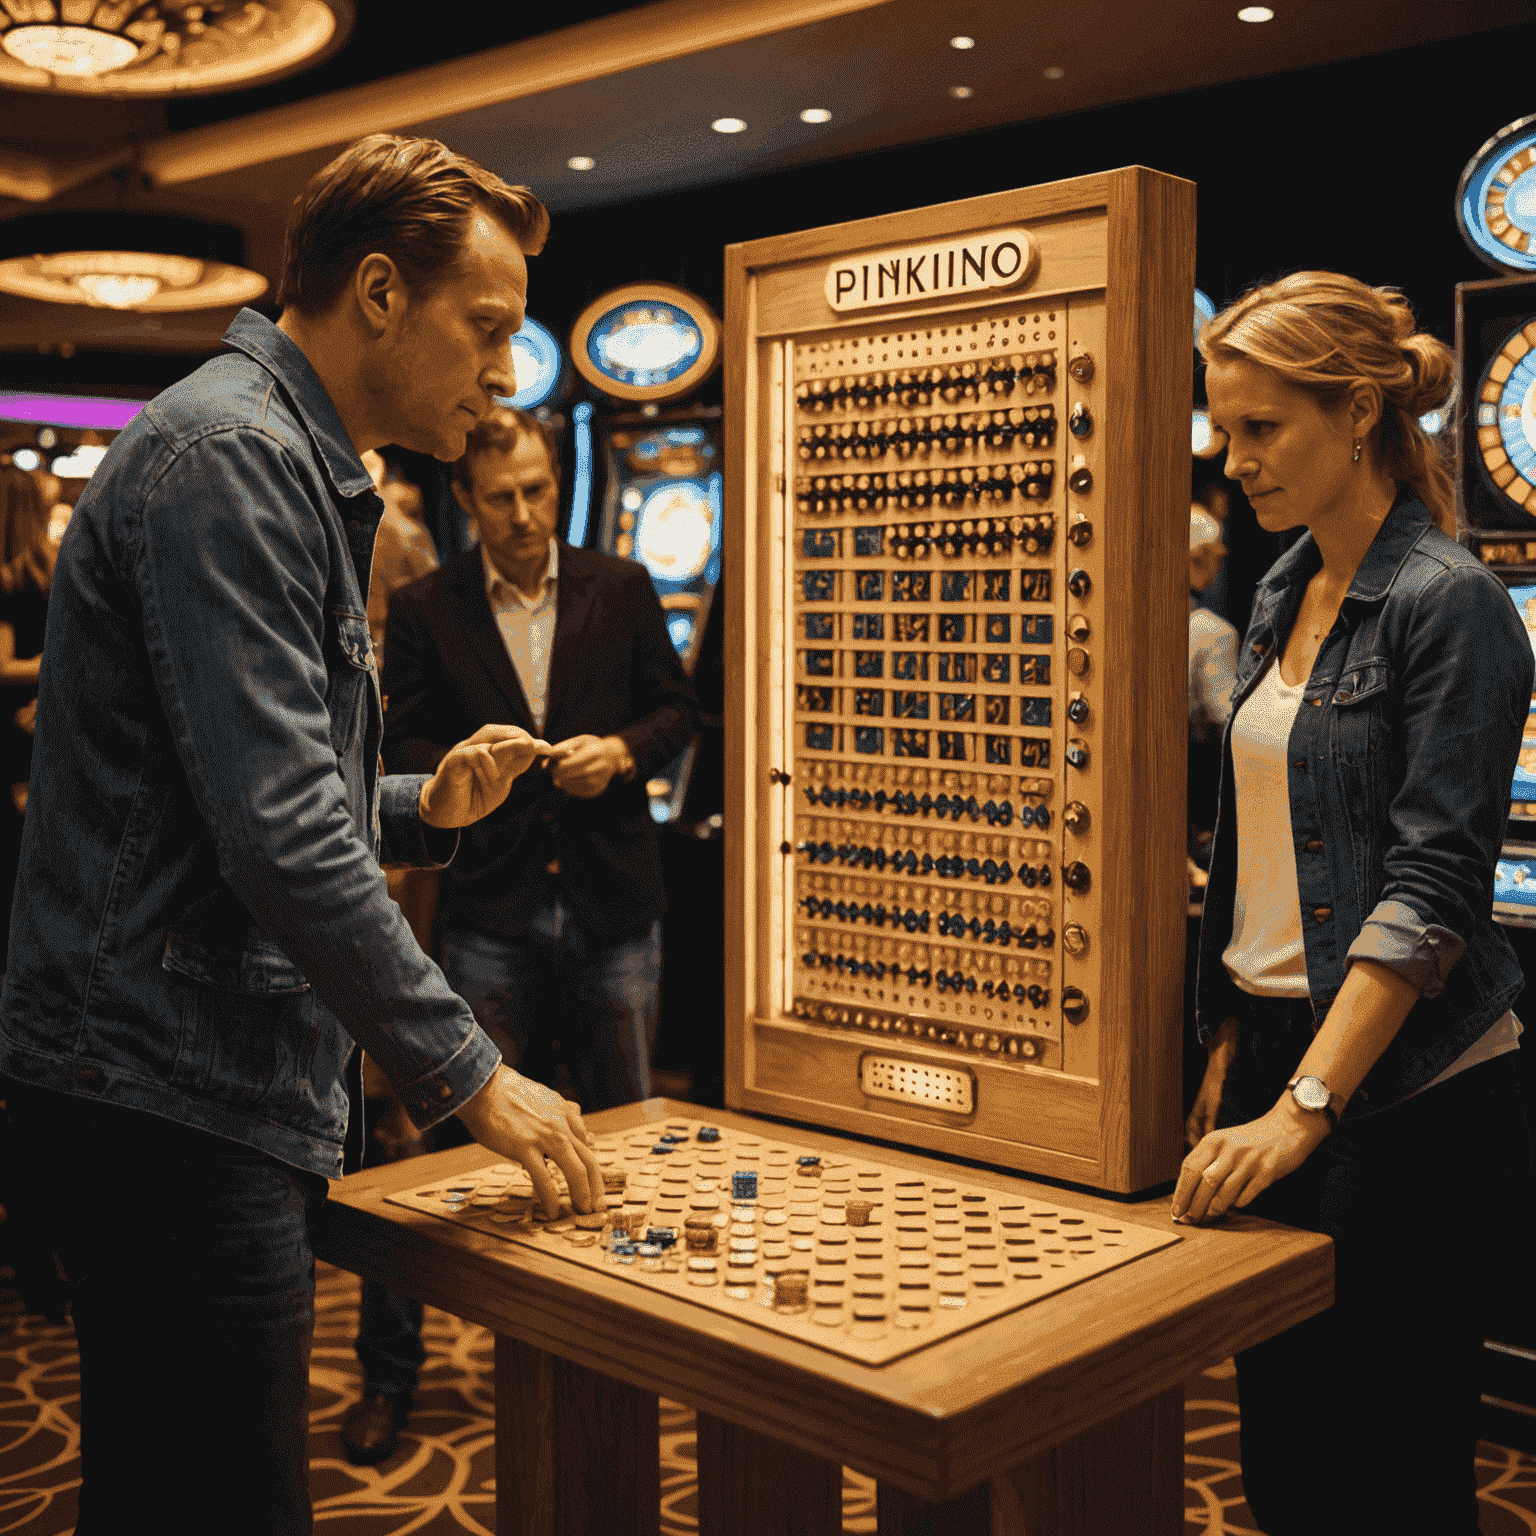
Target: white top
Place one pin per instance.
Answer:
(1267, 956)
(1212, 668)
(527, 627)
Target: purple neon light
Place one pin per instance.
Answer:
(69, 410)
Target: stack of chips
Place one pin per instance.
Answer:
(790, 1290)
(857, 1212)
(744, 1185)
(810, 1167)
(663, 1237)
(700, 1234)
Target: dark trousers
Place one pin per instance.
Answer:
(194, 1311)
(1364, 1418)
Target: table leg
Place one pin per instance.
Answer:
(1126, 1474)
(750, 1485)
(577, 1453)
(904, 1514)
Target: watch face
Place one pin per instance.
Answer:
(1311, 1092)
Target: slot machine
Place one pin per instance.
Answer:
(1495, 432)
(646, 346)
(957, 498)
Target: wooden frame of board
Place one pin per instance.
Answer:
(1024, 1051)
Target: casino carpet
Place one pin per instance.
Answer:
(441, 1480)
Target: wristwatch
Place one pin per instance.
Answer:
(1312, 1093)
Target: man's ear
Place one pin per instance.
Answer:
(380, 293)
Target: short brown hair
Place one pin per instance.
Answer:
(1326, 333)
(500, 430)
(408, 199)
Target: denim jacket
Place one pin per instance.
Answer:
(1401, 760)
(202, 928)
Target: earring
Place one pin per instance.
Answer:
(1357, 451)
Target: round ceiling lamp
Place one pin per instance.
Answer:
(140, 280)
(163, 47)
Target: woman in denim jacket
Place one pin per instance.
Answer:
(1353, 989)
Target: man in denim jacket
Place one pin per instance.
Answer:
(203, 929)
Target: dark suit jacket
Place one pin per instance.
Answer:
(613, 672)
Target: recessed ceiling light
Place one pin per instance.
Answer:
(729, 125)
(1255, 13)
(815, 115)
(1054, 72)
(581, 163)
(26, 458)
(962, 42)
(960, 92)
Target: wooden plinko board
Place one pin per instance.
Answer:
(934, 1255)
(957, 492)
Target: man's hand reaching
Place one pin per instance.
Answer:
(527, 1122)
(475, 776)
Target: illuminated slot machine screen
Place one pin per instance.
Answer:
(958, 492)
(644, 345)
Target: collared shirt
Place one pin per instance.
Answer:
(527, 626)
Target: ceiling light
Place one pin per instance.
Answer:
(581, 163)
(960, 92)
(815, 115)
(26, 458)
(729, 125)
(962, 42)
(1054, 72)
(1255, 13)
(139, 49)
(129, 280)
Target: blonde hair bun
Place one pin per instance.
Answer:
(1328, 333)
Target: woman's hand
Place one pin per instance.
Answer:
(1232, 1166)
(1219, 1054)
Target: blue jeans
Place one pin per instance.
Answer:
(194, 1312)
(1364, 1417)
(554, 982)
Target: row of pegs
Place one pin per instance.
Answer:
(1031, 427)
(996, 378)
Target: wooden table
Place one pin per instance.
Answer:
(1065, 1418)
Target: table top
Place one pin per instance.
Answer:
(936, 1421)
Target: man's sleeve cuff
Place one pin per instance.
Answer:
(1423, 954)
(446, 1088)
(406, 838)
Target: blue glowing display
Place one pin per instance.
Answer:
(536, 364)
(1496, 199)
(1204, 310)
(645, 343)
(677, 532)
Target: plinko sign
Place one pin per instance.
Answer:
(999, 258)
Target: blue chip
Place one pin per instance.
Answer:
(744, 1186)
(662, 1236)
(663, 1146)
(709, 1133)
(809, 1162)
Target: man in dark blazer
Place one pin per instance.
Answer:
(552, 907)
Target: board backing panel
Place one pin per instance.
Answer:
(937, 1255)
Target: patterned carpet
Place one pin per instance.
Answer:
(441, 1480)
